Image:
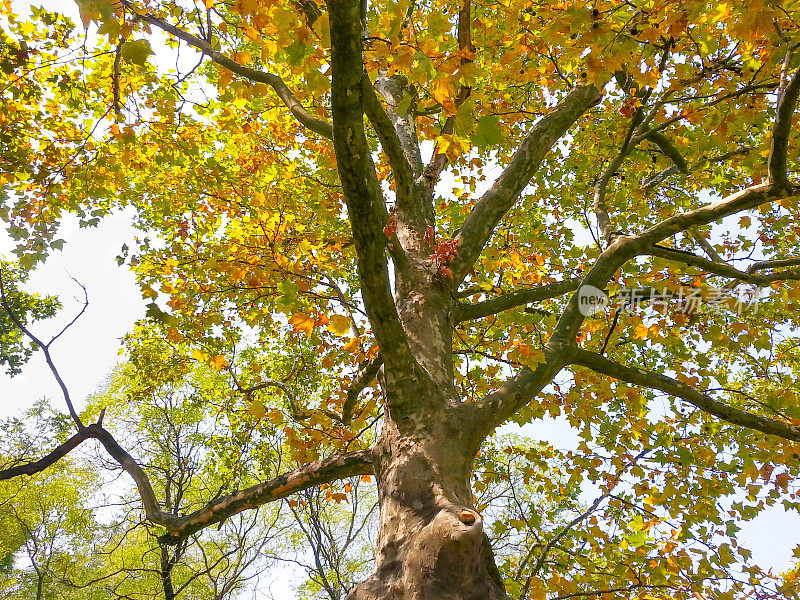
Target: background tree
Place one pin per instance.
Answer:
(417, 196)
(168, 409)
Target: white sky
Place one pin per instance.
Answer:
(87, 352)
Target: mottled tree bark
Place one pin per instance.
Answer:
(431, 543)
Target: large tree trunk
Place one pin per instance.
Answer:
(431, 543)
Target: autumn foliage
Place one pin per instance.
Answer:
(372, 225)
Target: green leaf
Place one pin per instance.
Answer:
(136, 51)
(488, 132)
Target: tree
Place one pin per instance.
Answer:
(166, 411)
(430, 202)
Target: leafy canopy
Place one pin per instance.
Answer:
(226, 157)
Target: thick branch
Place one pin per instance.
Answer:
(468, 312)
(498, 200)
(724, 269)
(704, 244)
(774, 264)
(132, 468)
(96, 431)
(365, 206)
(178, 527)
(742, 200)
(687, 258)
(687, 393)
(393, 89)
(316, 473)
(362, 380)
(670, 151)
(388, 130)
(658, 178)
(518, 391)
(787, 101)
(491, 411)
(314, 124)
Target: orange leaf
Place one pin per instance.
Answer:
(302, 322)
(218, 362)
(352, 345)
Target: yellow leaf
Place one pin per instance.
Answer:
(651, 34)
(93, 10)
(243, 58)
(452, 146)
(537, 590)
(339, 325)
(322, 29)
(640, 332)
(199, 356)
(443, 91)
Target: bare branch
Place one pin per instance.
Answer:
(687, 393)
(498, 200)
(49, 459)
(300, 113)
(468, 312)
(76, 317)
